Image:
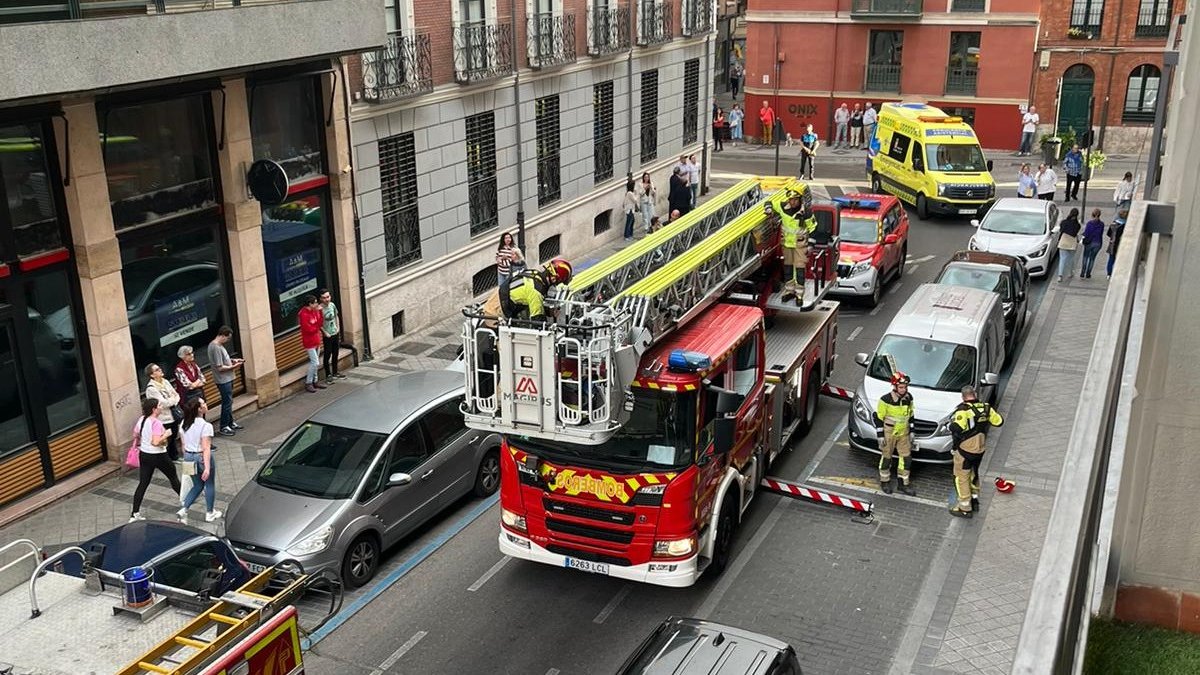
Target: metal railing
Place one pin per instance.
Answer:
(1153, 21)
(549, 174)
(654, 23)
(31, 11)
(697, 17)
(968, 5)
(551, 39)
(961, 79)
(482, 51)
(892, 8)
(403, 67)
(882, 77)
(608, 30)
(1054, 634)
(1086, 18)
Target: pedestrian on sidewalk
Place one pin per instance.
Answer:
(1123, 194)
(1068, 243)
(150, 437)
(718, 126)
(869, 119)
(631, 206)
(1047, 182)
(198, 461)
(224, 369)
(841, 118)
(1093, 239)
(969, 426)
(311, 319)
(331, 333)
(735, 118)
(808, 151)
(735, 78)
(856, 126)
(1029, 122)
(766, 116)
(1114, 238)
(679, 198)
(1026, 183)
(508, 257)
(1073, 164)
(189, 380)
(893, 415)
(169, 413)
(647, 196)
(693, 174)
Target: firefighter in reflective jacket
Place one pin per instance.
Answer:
(969, 425)
(797, 222)
(893, 416)
(523, 296)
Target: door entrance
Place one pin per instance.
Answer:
(1077, 85)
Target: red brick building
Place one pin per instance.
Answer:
(1108, 51)
(971, 57)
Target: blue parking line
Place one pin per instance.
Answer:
(408, 565)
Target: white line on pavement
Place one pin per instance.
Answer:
(878, 307)
(854, 334)
(893, 289)
(553, 671)
(612, 605)
(924, 258)
(488, 574)
(912, 269)
(391, 660)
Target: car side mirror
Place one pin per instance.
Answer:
(891, 239)
(974, 222)
(991, 379)
(989, 165)
(398, 479)
(862, 359)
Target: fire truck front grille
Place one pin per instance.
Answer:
(588, 555)
(590, 512)
(589, 532)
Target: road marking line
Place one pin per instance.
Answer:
(878, 307)
(895, 288)
(854, 334)
(612, 605)
(396, 655)
(912, 269)
(924, 258)
(553, 671)
(488, 574)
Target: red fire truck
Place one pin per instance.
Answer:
(639, 423)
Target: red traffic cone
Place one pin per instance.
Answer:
(1004, 485)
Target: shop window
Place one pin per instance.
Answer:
(286, 125)
(56, 350)
(175, 293)
(296, 247)
(158, 160)
(28, 190)
(14, 419)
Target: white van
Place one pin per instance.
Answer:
(944, 338)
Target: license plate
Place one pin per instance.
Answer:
(586, 566)
(255, 567)
(967, 212)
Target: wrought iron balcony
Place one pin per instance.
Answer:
(1153, 21)
(551, 39)
(404, 67)
(26, 11)
(895, 9)
(968, 5)
(961, 80)
(608, 31)
(1086, 20)
(482, 51)
(654, 23)
(882, 77)
(697, 17)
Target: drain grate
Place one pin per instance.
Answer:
(448, 352)
(414, 348)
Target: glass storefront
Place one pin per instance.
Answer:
(296, 250)
(286, 125)
(30, 209)
(55, 350)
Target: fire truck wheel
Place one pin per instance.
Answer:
(361, 561)
(726, 529)
(812, 397)
(487, 479)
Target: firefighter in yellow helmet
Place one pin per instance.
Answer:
(796, 223)
(524, 295)
(893, 420)
(969, 425)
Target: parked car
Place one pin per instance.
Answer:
(1025, 228)
(874, 244)
(686, 646)
(1005, 275)
(362, 473)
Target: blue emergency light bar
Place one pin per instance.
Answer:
(684, 361)
(868, 204)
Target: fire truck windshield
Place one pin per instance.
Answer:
(660, 435)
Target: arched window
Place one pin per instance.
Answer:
(1141, 94)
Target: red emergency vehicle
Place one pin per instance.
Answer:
(874, 245)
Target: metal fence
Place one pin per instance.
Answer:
(882, 77)
(28, 11)
(697, 17)
(403, 67)
(654, 23)
(551, 39)
(961, 80)
(608, 30)
(482, 51)
(910, 8)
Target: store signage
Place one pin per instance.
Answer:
(268, 182)
(298, 274)
(180, 316)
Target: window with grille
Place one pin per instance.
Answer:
(1153, 19)
(1142, 94)
(398, 183)
(549, 249)
(1086, 15)
(398, 324)
(691, 101)
(481, 172)
(549, 167)
(649, 115)
(484, 280)
(602, 131)
(602, 223)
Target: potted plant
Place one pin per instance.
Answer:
(1078, 34)
(1095, 162)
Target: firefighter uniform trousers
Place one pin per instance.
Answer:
(795, 258)
(969, 426)
(901, 445)
(966, 477)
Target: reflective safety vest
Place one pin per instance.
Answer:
(795, 236)
(894, 413)
(970, 424)
(526, 289)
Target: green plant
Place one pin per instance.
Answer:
(1078, 34)
(1096, 160)
(1068, 138)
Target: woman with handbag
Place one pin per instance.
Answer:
(148, 452)
(169, 412)
(189, 379)
(198, 460)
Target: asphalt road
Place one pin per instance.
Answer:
(839, 590)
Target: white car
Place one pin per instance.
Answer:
(1024, 228)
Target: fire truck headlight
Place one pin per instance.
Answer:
(512, 520)
(313, 543)
(674, 548)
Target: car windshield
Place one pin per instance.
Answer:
(857, 230)
(955, 157)
(321, 461)
(930, 363)
(659, 435)
(977, 277)
(1014, 222)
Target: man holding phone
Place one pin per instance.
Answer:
(223, 369)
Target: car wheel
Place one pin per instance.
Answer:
(876, 184)
(877, 291)
(487, 478)
(726, 528)
(922, 207)
(361, 561)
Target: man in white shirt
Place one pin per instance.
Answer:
(841, 118)
(869, 119)
(1029, 122)
(1047, 182)
(693, 172)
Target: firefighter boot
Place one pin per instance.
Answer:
(955, 511)
(974, 503)
(886, 486)
(907, 489)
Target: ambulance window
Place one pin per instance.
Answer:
(918, 159)
(745, 367)
(899, 148)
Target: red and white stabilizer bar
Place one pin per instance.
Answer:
(790, 489)
(837, 392)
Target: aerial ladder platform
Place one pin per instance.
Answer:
(569, 379)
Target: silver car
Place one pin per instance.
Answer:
(1023, 228)
(362, 473)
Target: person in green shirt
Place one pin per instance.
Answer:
(331, 331)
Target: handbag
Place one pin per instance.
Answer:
(190, 468)
(132, 455)
(176, 413)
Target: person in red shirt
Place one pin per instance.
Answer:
(311, 319)
(766, 115)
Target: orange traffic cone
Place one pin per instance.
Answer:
(1004, 485)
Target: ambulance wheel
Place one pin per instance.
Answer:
(876, 184)
(361, 561)
(922, 207)
(726, 529)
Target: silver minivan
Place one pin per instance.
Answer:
(362, 473)
(944, 338)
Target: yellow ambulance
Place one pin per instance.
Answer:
(929, 159)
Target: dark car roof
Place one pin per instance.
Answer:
(382, 406)
(141, 541)
(683, 646)
(986, 258)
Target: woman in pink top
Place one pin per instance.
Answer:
(151, 438)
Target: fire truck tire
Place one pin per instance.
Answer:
(361, 561)
(812, 397)
(726, 530)
(487, 477)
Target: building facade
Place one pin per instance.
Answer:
(477, 114)
(1109, 53)
(969, 57)
(128, 230)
